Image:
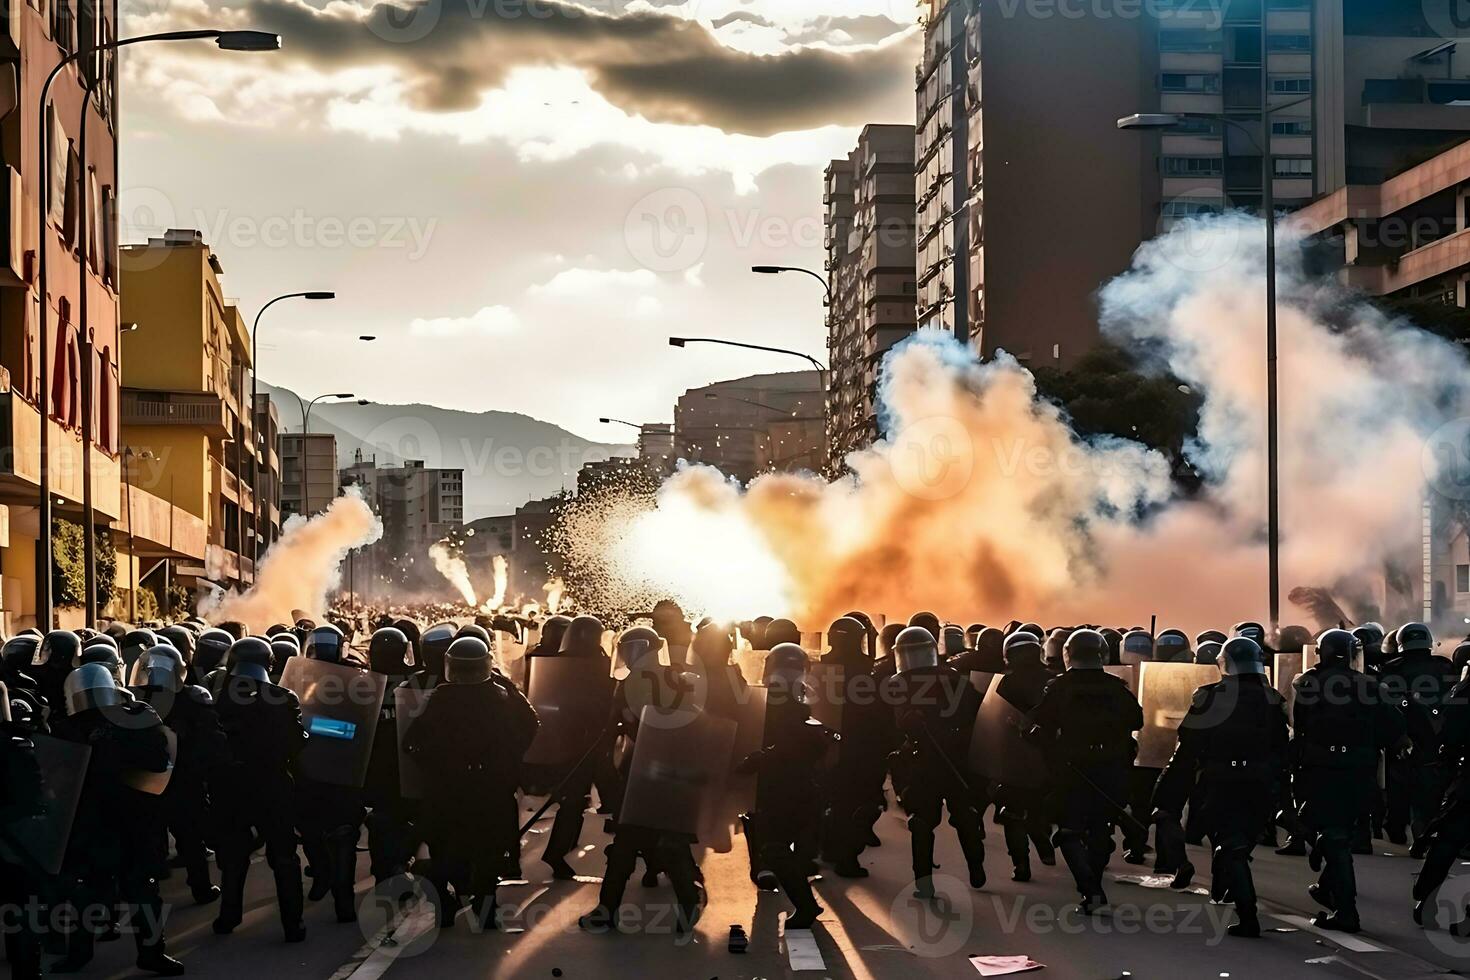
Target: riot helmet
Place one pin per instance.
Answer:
(1415, 638)
(1138, 643)
(1336, 648)
(1241, 655)
(1293, 639)
(637, 649)
(135, 644)
(1370, 637)
(1172, 646)
(434, 644)
(847, 639)
(1461, 657)
(1085, 650)
(928, 621)
(785, 670)
(477, 631)
(952, 641)
(210, 651)
(326, 644)
(388, 652)
(467, 661)
(410, 631)
(712, 646)
(779, 631)
(1053, 647)
(990, 643)
(1022, 650)
(1208, 652)
(19, 652)
(182, 640)
(58, 651)
(92, 686)
(887, 637)
(915, 649)
(552, 631)
(1251, 629)
(161, 667)
(1210, 636)
(583, 638)
(251, 657)
(283, 648)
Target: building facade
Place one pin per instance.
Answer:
(418, 506)
(870, 237)
(743, 427)
(309, 473)
(186, 398)
(268, 471)
(79, 313)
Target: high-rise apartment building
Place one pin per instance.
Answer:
(869, 200)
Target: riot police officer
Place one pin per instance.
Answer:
(855, 788)
(1085, 723)
(159, 678)
(469, 741)
(21, 797)
(1233, 743)
(788, 814)
(1419, 682)
(54, 659)
(549, 642)
(1021, 811)
(114, 847)
(1342, 720)
(1448, 834)
(390, 834)
(934, 710)
(253, 791)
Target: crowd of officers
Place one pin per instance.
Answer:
(193, 738)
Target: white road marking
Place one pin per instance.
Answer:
(802, 951)
(1347, 942)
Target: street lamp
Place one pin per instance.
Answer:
(227, 41)
(776, 270)
(682, 341)
(1167, 120)
(313, 294)
(306, 431)
(631, 425)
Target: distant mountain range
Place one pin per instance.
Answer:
(507, 458)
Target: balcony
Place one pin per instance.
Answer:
(20, 434)
(188, 408)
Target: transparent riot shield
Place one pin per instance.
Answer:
(1166, 691)
(572, 697)
(998, 750)
(980, 680)
(154, 783)
(681, 760)
(1128, 674)
(826, 693)
(752, 664)
(408, 704)
(1286, 668)
(1129, 659)
(41, 839)
(340, 706)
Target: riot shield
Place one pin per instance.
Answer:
(677, 776)
(826, 692)
(1285, 669)
(41, 839)
(572, 697)
(1128, 674)
(752, 664)
(408, 704)
(997, 749)
(1166, 691)
(980, 680)
(340, 706)
(154, 783)
(1134, 660)
(750, 734)
(811, 640)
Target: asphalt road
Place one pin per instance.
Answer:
(872, 928)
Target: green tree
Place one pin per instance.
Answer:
(68, 565)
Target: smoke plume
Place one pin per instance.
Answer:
(502, 580)
(454, 569)
(983, 504)
(301, 568)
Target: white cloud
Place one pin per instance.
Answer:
(582, 282)
(647, 307)
(487, 321)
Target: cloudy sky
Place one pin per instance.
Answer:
(521, 198)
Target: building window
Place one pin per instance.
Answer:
(1196, 127)
(1189, 82)
(1191, 166)
(1191, 41)
(1291, 85)
(1462, 578)
(1291, 127)
(1293, 43)
(1294, 167)
(1191, 208)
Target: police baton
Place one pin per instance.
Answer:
(1122, 810)
(552, 796)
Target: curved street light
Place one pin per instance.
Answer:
(227, 41)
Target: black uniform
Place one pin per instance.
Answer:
(573, 787)
(1342, 720)
(253, 794)
(201, 747)
(390, 823)
(1022, 810)
(935, 710)
(1085, 723)
(115, 849)
(469, 742)
(21, 884)
(1448, 834)
(1233, 743)
(1418, 682)
(855, 785)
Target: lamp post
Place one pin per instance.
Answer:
(631, 425)
(776, 270)
(684, 341)
(127, 454)
(227, 41)
(315, 294)
(1167, 120)
(306, 408)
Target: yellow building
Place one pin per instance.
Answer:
(187, 423)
